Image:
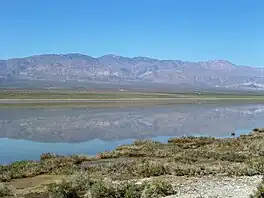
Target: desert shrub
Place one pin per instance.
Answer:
(192, 142)
(78, 159)
(64, 189)
(48, 165)
(133, 190)
(19, 170)
(148, 169)
(153, 189)
(108, 154)
(5, 176)
(45, 156)
(81, 181)
(73, 187)
(103, 189)
(7, 191)
(82, 186)
(233, 157)
(109, 189)
(257, 166)
(157, 189)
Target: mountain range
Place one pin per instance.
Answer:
(111, 68)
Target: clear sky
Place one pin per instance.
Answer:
(190, 30)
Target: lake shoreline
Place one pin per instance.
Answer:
(187, 156)
(73, 98)
(72, 103)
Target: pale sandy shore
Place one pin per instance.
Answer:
(214, 186)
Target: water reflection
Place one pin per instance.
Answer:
(79, 125)
(26, 133)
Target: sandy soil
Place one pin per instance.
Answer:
(215, 186)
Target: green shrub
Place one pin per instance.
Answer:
(191, 142)
(81, 181)
(233, 157)
(81, 186)
(144, 142)
(63, 189)
(6, 191)
(49, 164)
(103, 189)
(153, 189)
(149, 169)
(74, 187)
(134, 190)
(157, 189)
(45, 156)
(5, 176)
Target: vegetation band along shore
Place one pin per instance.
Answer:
(113, 172)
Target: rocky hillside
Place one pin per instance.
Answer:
(112, 68)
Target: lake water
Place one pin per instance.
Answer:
(26, 133)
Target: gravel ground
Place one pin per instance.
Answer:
(215, 186)
(186, 187)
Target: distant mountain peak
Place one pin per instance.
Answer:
(217, 64)
(224, 62)
(112, 56)
(143, 58)
(74, 54)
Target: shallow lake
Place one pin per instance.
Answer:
(25, 133)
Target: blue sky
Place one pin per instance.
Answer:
(167, 29)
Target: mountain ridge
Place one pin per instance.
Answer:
(114, 68)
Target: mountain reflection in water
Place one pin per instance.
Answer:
(27, 133)
(79, 124)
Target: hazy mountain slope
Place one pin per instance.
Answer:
(79, 67)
